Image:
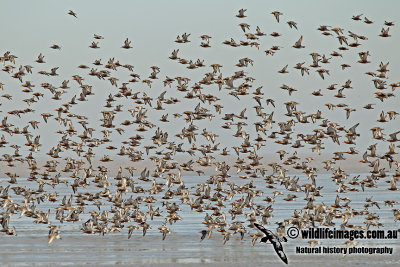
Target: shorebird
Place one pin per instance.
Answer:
(164, 230)
(54, 46)
(241, 13)
(385, 32)
(127, 44)
(54, 233)
(274, 240)
(72, 13)
(84, 159)
(298, 43)
(276, 14)
(292, 24)
(357, 17)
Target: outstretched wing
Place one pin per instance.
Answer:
(279, 250)
(262, 229)
(275, 242)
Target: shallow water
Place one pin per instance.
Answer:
(183, 246)
(175, 250)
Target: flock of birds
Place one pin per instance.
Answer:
(129, 200)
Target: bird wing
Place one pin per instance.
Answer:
(275, 242)
(265, 231)
(298, 43)
(279, 250)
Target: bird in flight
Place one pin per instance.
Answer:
(276, 14)
(275, 241)
(72, 13)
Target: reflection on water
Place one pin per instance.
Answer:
(178, 249)
(183, 246)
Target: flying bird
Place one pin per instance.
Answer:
(276, 14)
(298, 43)
(241, 13)
(72, 13)
(274, 240)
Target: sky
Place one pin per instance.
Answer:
(31, 27)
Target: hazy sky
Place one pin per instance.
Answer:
(31, 27)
